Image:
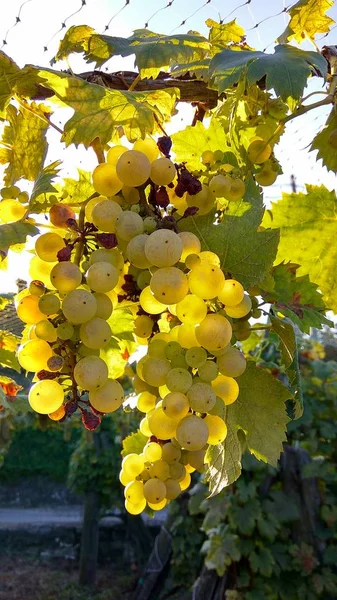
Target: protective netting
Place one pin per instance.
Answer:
(30, 32)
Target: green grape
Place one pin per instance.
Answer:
(105, 214)
(79, 306)
(209, 371)
(172, 489)
(172, 350)
(23, 197)
(143, 326)
(192, 433)
(196, 357)
(48, 245)
(196, 458)
(177, 471)
(147, 147)
(36, 288)
(95, 333)
(159, 470)
(163, 248)
(220, 185)
(133, 464)
(232, 363)
(150, 224)
(152, 451)
(102, 277)
(191, 310)
(214, 332)
(163, 171)
(45, 330)
(103, 306)
(149, 303)
(6, 193)
(192, 260)
(40, 270)
(90, 206)
(114, 257)
(143, 279)
(219, 408)
(157, 348)
(201, 397)
(240, 310)
(91, 373)
(171, 453)
(107, 398)
(160, 425)
(206, 281)
(28, 310)
(105, 180)
(178, 380)
(133, 168)
(49, 304)
(155, 371)
(179, 361)
(154, 491)
(217, 429)
(226, 388)
(169, 285)
(114, 153)
(191, 244)
(187, 336)
(128, 225)
(232, 293)
(135, 252)
(66, 276)
(203, 200)
(65, 331)
(131, 196)
(135, 509)
(218, 155)
(134, 492)
(176, 405)
(59, 214)
(11, 211)
(46, 396)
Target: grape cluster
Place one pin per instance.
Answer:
(13, 204)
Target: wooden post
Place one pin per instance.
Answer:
(89, 540)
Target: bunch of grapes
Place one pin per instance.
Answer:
(13, 204)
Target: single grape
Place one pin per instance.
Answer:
(144, 427)
(185, 482)
(11, 211)
(65, 276)
(152, 451)
(143, 279)
(107, 398)
(134, 492)
(191, 310)
(105, 214)
(163, 248)
(147, 147)
(45, 330)
(149, 303)
(177, 471)
(160, 425)
(232, 363)
(114, 153)
(172, 489)
(203, 200)
(217, 429)
(214, 332)
(40, 270)
(113, 256)
(28, 310)
(169, 285)
(201, 397)
(178, 380)
(157, 348)
(232, 293)
(131, 196)
(133, 168)
(49, 304)
(207, 158)
(191, 244)
(102, 277)
(155, 371)
(259, 151)
(79, 306)
(135, 252)
(209, 371)
(206, 281)
(65, 331)
(150, 224)
(240, 310)
(46, 396)
(143, 326)
(206, 256)
(135, 509)
(58, 414)
(196, 357)
(36, 288)
(163, 171)
(226, 388)
(59, 214)
(159, 470)
(48, 245)
(133, 464)
(105, 180)
(154, 491)
(90, 206)
(91, 373)
(219, 185)
(192, 433)
(187, 336)
(171, 453)
(236, 191)
(176, 405)
(196, 458)
(128, 225)
(95, 333)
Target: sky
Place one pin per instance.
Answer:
(40, 26)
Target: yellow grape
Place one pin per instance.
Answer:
(143, 326)
(203, 200)
(102, 277)
(149, 303)
(144, 427)
(192, 260)
(49, 304)
(135, 252)
(160, 425)
(146, 401)
(192, 433)
(34, 354)
(105, 180)
(105, 214)
(163, 171)
(11, 211)
(226, 388)
(219, 185)
(48, 245)
(176, 405)
(179, 380)
(114, 257)
(232, 293)
(191, 310)
(172, 489)
(154, 491)
(155, 370)
(152, 451)
(259, 151)
(206, 256)
(58, 414)
(171, 453)
(128, 225)
(103, 305)
(45, 330)
(28, 310)
(65, 331)
(196, 458)
(207, 158)
(187, 336)
(133, 464)
(177, 471)
(59, 215)
(236, 191)
(160, 470)
(36, 288)
(169, 285)
(163, 248)
(240, 310)
(191, 244)
(201, 397)
(196, 357)
(125, 478)
(107, 398)
(179, 203)
(159, 505)
(214, 332)
(66, 276)
(40, 270)
(217, 429)
(130, 194)
(206, 281)
(209, 371)
(135, 509)
(46, 396)
(232, 363)
(95, 333)
(90, 206)
(133, 168)
(134, 492)
(147, 147)
(91, 373)
(186, 482)
(79, 306)
(114, 153)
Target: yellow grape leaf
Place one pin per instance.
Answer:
(307, 18)
(222, 35)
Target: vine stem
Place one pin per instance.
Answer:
(134, 83)
(302, 110)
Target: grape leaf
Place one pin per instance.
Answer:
(24, 142)
(153, 52)
(113, 356)
(245, 252)
(122, 343)
(286, 71)
(322, 143)
(224, 461)
(222, 35)
(8, 75)
(15, 233)
(307, 18)
(99, 111)
(221, 549)
(198, 69)
(81, 189)
(122, 323)
(308, 236)
(134, 443)
(189, 144)
(43, 183)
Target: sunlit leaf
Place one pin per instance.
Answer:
(15, 233)
(307, 18)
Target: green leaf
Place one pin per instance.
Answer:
(122, 323)
(307, 18)
(221, 549)
(224, 461)
(321, 142)
(43, 186)
(134, 443)
(286, 71)
(8, 346)
(222, 35)
(261, 413)
(153, 52)
(262, 561)
(244, 516)
(4, 301)
(81, 189)
(189, 144)
(24, 141)
(246, 253)
(308, 237)
(17, 404)
(8, 76)
(112, 354)
(99, 111)
(197, 68)
(15, 233)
